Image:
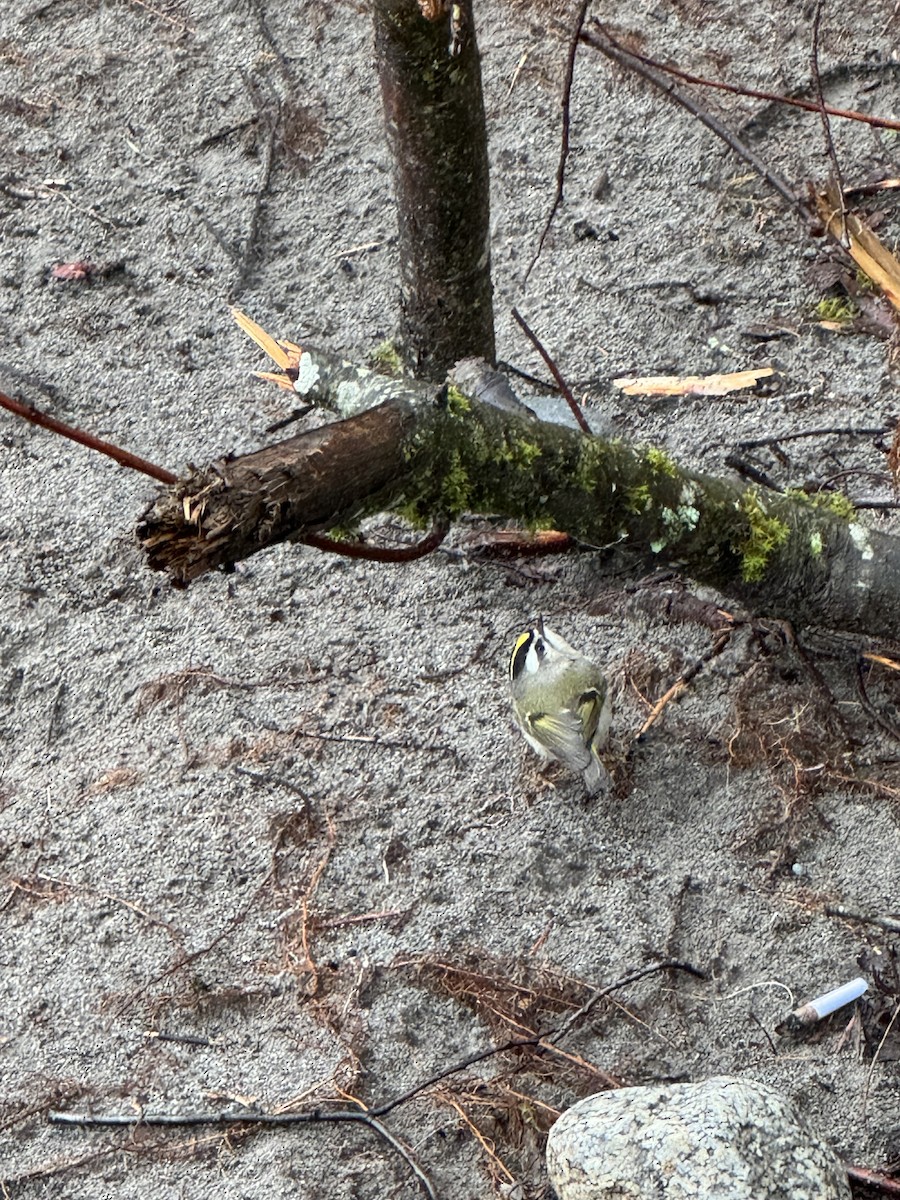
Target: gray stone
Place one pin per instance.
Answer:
(732, 1139)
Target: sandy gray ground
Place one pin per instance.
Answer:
(314, 738)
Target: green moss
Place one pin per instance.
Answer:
(540, 524)
(839, 309)
(639, 498)
(836, 503)
(456, 488)
(343, 533)
(457, 402)
(519, 452)
(660, 463)
(815, 543)
(592, 466)
(863, 282)
(386, 360)
(766, 534)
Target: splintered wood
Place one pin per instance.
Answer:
(692, 385)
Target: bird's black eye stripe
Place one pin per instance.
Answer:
(520, 654)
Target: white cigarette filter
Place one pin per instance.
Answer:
(832, 1001)
(822, 1006)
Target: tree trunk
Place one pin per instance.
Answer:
(435, 453)
(434, 117)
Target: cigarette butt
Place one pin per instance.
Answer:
(823, 1006)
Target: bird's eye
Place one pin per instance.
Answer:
(540, 647)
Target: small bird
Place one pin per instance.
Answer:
(561, 703)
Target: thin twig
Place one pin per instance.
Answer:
(748, 471)
(608, 46)
(891, 924)
(680, 684)
(554, 370)
(842, 430)
(317, 1116)
(404, 1152)
(387, 554)
(826, 124)
(736, 89)
(600, 993)
(241, 915)
(878, 717)
(566, 121)
(873, 1179)
(123, 457)
(372, 1116)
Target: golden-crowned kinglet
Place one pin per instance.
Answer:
(561, 701)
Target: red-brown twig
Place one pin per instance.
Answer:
(554, 370)
(873, 1179)
(608, 46)
(387, 554)
(124, 457)
(135, 463)
(736, 89)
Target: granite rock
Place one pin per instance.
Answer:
(732, 1139)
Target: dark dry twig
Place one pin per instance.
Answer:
(891, 924)
(839, 430)
(877, 716)
(554, 370)
(736, 89)
(123, 457)
(826, 124)
(566, 121)
(748, 471)
(347, 1116)
(370, 1117)
(306, 1118)
(756, 1021)
(608, 46)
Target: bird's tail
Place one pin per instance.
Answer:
(596, 777)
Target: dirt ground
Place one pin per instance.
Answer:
(275, 838)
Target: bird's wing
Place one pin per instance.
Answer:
(594, 713)
(562, 734)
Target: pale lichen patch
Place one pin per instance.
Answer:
(859, 535)
(308, 374)
(349, 398)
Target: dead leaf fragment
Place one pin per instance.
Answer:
(865, 248)
(74, 271)
(692, 385)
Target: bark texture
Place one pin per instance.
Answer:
(436, 452)
(434, 118)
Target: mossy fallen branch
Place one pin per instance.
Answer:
(433, 453)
